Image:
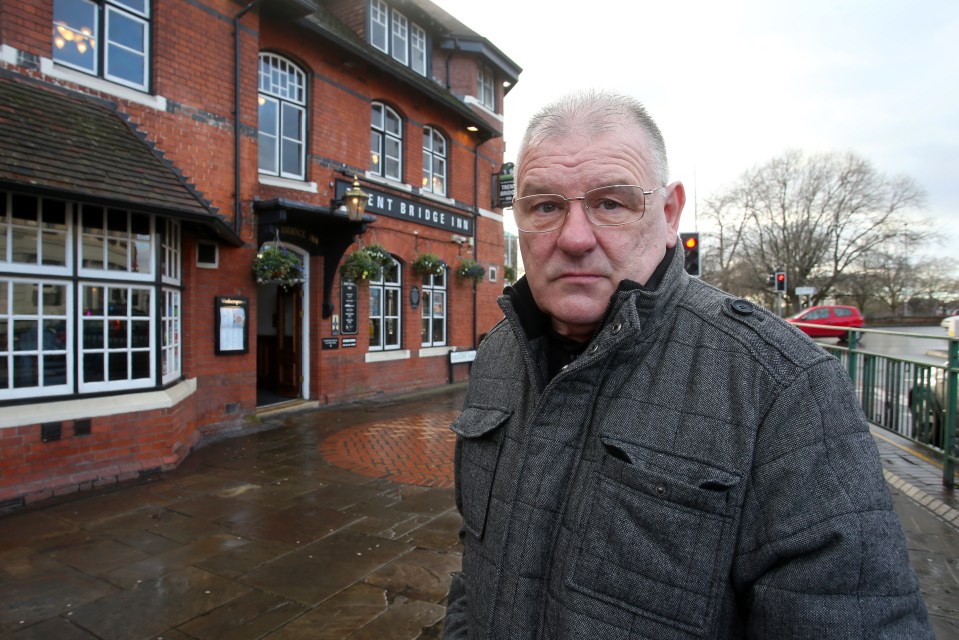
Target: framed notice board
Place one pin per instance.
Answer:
(231, 325)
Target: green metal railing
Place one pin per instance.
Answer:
(914, 399)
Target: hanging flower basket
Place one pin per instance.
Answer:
(365, 263)
(427, 264)
(470, 269)
(509, 274)
(276, 265)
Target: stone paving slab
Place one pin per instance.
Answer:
(330, 523)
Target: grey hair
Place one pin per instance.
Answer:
(595, 112)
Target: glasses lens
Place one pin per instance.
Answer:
(543, 212)
(615, 205)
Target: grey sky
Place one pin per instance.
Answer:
(734, 84)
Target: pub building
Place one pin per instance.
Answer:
(169, 269)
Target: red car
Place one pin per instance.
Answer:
(828, 316)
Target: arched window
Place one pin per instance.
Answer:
(385, 318)
(386, 142)
(434, 161)
(282, 118)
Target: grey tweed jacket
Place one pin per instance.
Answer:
(702, 470)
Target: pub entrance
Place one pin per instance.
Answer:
(281, 349)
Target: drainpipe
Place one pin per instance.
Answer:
(237, 209)
(475, 221)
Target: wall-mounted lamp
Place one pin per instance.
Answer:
(472, 128)
(354, 201)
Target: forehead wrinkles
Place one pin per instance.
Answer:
(579, 161)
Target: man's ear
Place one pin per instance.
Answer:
(673, 205)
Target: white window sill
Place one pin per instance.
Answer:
(288, 183)
(49, 68)
(387, 356)
(433, 352)
(402, 186)
(432, 196)
(27, 414)
(472, 100)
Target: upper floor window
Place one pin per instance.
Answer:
(106, 38)
(386, 142)
(392, 33)
(434, 161)
(282, 118)
(385, 308)
(487, 96)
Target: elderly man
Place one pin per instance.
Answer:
(641, 455)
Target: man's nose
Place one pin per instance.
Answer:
(577, 233)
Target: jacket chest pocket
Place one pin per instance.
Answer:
(477, 456)
(657, 540)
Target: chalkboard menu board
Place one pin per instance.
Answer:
(348, 307)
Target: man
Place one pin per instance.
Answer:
(643, 456)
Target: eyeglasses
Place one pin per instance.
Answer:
(611, 206)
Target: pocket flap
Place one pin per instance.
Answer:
(476, 422)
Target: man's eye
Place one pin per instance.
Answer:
(546, 207)
(607, 205)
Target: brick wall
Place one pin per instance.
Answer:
(193, 69)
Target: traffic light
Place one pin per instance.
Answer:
(691, 250)
(781, 281)
(771, 281)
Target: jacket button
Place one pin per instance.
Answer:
(617, 328)
(743, 307)
(660, 490)
(593, 349)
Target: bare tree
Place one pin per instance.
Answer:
(814, 216)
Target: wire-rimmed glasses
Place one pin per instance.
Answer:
(610, 206)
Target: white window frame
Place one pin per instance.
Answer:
(98, 40)
(387, 287)
(383, 135)
(10, 350)
(486, 87)
(44, 233)
(433, 157)
(418, 50)
(145, 334)
(380, 25)
(106, 238)
(400, 38)
(282, 83)
(127, 321)
(434, 286)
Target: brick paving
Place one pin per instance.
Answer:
(411, 450)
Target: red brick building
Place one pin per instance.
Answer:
(131, 324)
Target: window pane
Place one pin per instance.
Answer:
(126, 48)
(139, 6)
(268, 133)
(376, 151)
(399, 44)
(392, 124)
(378, 24)
(376, 339)
(75, 34)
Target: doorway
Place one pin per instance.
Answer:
(281, 343)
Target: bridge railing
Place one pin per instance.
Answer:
(914, 399)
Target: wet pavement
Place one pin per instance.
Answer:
(325, 523)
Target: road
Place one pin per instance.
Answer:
(928, 350)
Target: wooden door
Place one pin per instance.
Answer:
(289, 342)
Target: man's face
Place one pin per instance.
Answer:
(574, 270)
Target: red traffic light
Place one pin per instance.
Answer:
(781, 277)
(691, 242)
